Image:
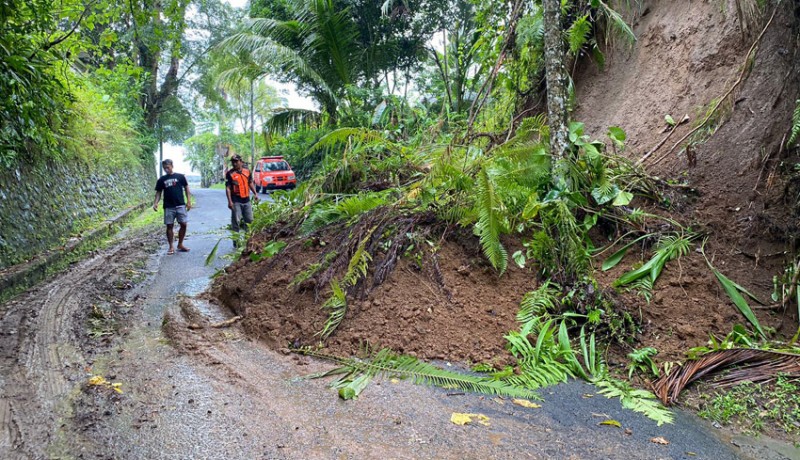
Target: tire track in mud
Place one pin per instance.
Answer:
(41, 359)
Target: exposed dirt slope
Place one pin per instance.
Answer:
(688, 55)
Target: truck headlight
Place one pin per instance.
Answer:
(291, 177)
(268, 179)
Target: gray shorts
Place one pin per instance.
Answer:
(178, 212)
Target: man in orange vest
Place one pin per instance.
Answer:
(238, 184)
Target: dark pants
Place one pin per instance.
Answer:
(241, 215)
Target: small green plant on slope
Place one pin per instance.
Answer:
(735, 292)
(551, 359)
(669, 247)
(641, 360)
(337, 303)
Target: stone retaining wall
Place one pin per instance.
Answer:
(43, 206)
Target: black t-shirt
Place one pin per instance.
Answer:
(172, 185)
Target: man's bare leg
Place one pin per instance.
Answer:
(170, 238)
(181, 235)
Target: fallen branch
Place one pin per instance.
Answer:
(654, 149)
(227, 323)
(728, 93)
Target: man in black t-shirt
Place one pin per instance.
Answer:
(173, 186)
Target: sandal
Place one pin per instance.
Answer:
(170, 252)
(183, 249)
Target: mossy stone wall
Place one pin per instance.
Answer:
(42, 206)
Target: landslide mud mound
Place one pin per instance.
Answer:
(459, 310)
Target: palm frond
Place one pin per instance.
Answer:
(387, 364)
(745, 364)
(337, 304)
(285, 119)
(617, 24)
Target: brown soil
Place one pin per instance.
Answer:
(461, 317)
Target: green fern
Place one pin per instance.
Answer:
(326, 213)
(342, 135)
(359, 263)
(641, 401)
(795, 123)
(578, 33)
(361, 203)
(337, 304)
(544, 363)
(387, 364)
(538, 302)
(490, 223)
(321, 215)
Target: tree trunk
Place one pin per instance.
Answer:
(556, 77)
(252, 129)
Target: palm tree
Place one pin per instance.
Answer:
(318, 50)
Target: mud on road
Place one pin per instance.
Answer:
(192, 391)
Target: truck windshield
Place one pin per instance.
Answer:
(276, 166)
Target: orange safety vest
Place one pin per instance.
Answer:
(240, 183)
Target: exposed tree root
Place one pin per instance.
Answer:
(748, 365)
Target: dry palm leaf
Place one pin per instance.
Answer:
(749, 365)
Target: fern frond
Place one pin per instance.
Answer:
(636, 400)
(490, 223)
(578, 33)
(337, 304)
(537, 303)
(456, 214)
(321, 215)
(388, 364)
(359, 263)
(361, 203)
(342, 135)
(795, 123)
